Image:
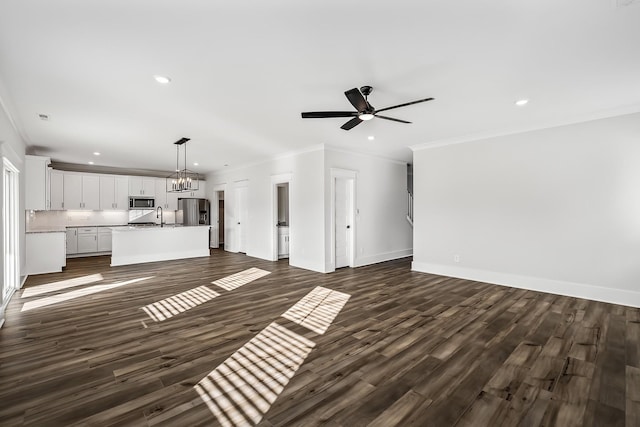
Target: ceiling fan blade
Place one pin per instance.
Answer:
(351, 123)
(325, 114)
(356, 99)
(391, 118)
(405, 104)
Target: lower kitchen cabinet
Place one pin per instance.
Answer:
(283, 242)
(87, 239)
(72, 241)
(104, 239)
(44, 252)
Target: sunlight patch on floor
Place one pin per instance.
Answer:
(169, 307)
(234, 281)
(58, 286)
(317, 309)
(241, 390)
(55, 299)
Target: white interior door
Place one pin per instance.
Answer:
(241, 218)
(343, 224)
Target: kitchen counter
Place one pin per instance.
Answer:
(134, 245)
(47, 230)
(45, 251)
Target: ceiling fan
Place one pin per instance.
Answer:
(365, 111)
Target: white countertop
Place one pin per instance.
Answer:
(47, 230)
(133, 229)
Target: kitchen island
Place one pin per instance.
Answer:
(134, 245)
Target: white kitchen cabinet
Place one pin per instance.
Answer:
(114, 192)
(81, 191)
(56, 180)
(36, 183)
(72, 240)
(172, 201)
(161, 193)
(197, 194)
(142, 186)
(87, 239)
(45, 252)
(283, 242)
(104, 239)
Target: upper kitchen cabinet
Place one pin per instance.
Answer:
(142, 186)
(81, 191)
(161, 193)
(198, 194)
(36, 183)
(168, 201)
(114, 192)
(56, 180)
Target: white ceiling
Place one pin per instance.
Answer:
(242, 71)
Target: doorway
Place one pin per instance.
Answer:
(10, 228)
(221, 219)
(343, 185)
(281, 216)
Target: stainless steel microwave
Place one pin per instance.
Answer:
(141, 203)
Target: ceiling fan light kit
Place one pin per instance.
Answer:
(364, 110)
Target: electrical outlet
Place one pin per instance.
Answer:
(361, 250)
(456, 258)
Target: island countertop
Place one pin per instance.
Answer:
(134, 245)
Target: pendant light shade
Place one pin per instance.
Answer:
(182, 180)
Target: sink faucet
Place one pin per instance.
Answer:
(160, 215)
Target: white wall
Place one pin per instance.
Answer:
(382, 230)
(306, 207)
(556, 210)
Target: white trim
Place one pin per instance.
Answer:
(353, 176)
(558, 287)
(282, 178)
(14, 231)
(216, 217)
(387, 256)
(513, 131)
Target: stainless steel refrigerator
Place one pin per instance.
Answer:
(193, 212)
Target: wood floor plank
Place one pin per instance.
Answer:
(407, 349)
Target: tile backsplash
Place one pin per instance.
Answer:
(42, 220)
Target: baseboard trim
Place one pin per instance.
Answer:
(558, 287)
(387, 256)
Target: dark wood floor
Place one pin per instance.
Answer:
(406, 349)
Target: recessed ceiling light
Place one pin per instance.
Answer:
(162, 79)
(226, 164)
(522, 102)
(371, 138)
(95, 153)
(90, 163)
(195, 164)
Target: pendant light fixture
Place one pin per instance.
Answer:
(182, 180)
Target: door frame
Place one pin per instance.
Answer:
(216, 215)
(10, 234)
(283, 178)
(352, 177)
